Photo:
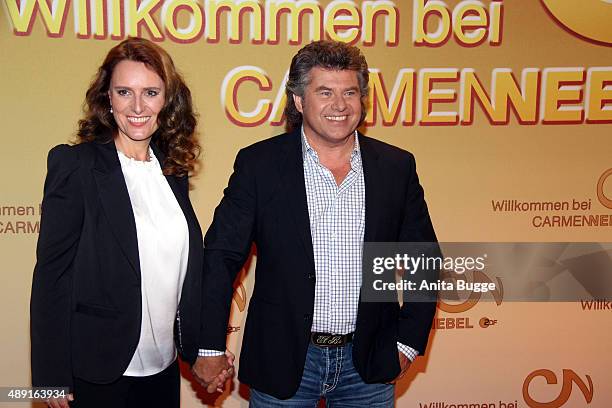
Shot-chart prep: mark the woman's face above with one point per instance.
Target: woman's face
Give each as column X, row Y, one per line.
column 137, row 95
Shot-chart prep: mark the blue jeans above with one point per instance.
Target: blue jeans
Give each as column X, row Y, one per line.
column 329, row 373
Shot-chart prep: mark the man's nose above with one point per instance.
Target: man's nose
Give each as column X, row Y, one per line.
column 339, row 103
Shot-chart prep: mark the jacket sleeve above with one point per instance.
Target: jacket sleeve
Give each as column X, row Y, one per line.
column 416, row 317
column 227, row 245
column 50, row 303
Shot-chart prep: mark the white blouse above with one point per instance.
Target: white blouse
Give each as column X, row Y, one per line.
column 163, row 249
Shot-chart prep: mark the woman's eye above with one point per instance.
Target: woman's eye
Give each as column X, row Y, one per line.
column 123, row 92
column 152, row 92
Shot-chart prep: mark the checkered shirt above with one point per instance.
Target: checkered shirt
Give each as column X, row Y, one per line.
column 337, row 224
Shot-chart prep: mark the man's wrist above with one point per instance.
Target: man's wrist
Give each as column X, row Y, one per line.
column 210, row 353
column 408, row 351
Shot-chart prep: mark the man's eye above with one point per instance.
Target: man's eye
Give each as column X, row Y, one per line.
column 325, row 93
column 350, row 93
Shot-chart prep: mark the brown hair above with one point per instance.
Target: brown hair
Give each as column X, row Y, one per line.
column 328, row 55
column 175, row 136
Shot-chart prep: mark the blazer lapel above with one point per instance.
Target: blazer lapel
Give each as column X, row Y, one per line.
column 192, row 282
column 373, row 179
column 184, row 203
column 181, row 193
column 292, row 174
column 374, row 209
column 116, row 202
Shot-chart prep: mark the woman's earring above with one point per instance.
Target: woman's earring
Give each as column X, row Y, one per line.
column 111, row 109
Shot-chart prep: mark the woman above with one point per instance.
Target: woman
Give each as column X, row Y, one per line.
column 117, row 283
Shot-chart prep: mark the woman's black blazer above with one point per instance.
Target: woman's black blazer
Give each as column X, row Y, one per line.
column 85, row 307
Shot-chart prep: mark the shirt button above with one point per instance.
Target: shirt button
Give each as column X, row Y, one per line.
column 311, row 275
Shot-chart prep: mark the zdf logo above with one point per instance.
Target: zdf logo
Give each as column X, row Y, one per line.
column 569, row 378
column 472, row 300
column 588, row 19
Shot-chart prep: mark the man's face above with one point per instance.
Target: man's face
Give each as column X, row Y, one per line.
column 331, row 106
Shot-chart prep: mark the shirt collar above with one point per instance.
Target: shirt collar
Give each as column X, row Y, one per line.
column 355, row 155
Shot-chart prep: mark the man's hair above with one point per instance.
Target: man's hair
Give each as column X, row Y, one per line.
column 332, row 55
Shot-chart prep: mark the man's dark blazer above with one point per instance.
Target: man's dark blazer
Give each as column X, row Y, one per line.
column 265, row 203
column 86, row 292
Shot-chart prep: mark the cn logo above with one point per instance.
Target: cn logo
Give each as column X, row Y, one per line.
column 240, row 294
column 588, row 19
column 569, row 378
column 601, row 195
column 240, row 297
column 474, row 297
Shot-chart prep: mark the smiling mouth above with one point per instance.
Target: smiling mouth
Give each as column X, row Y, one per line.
column 337, row 118
column 139, row 120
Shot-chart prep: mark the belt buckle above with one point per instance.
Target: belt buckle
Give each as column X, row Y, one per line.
column 328, row 340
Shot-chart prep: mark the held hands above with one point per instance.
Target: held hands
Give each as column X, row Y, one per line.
column 212, row 372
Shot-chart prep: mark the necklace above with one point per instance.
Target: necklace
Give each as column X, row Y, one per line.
column 148, row 156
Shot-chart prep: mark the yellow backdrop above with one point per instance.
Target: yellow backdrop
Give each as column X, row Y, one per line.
column 506, row 104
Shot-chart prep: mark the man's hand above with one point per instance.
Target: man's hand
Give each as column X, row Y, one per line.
column 60, row 402
column 404, row 365
column 212, row 372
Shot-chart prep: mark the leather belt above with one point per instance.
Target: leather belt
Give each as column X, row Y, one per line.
column 330, row 340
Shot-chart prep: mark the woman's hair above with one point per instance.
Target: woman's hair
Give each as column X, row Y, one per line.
column 327, row 55
column 175, row 136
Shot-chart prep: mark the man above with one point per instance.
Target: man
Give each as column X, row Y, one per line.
column 308, row 199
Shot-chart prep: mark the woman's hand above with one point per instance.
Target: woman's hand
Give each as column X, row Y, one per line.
column 60, row 402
